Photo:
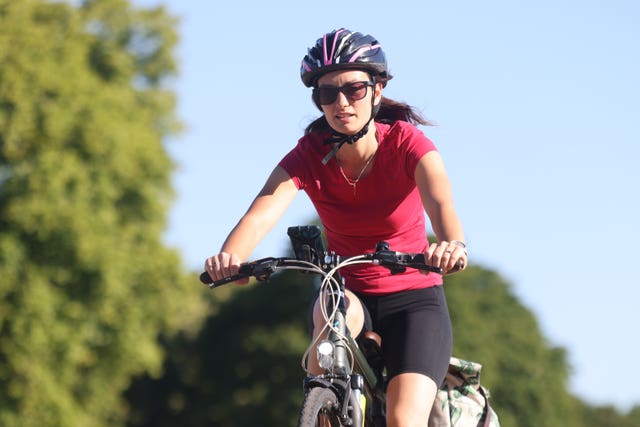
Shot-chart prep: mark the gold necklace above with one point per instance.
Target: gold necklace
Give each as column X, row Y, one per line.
column 354, row 182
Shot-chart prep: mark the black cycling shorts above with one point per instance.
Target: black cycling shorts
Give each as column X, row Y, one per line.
column 415, row 329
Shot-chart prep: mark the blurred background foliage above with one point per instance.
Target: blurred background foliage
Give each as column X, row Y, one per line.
column 87, row 285
column 101, row 324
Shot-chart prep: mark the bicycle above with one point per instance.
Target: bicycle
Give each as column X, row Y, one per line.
column 351, row 391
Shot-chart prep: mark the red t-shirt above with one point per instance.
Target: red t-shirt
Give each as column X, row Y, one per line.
column 386, row 205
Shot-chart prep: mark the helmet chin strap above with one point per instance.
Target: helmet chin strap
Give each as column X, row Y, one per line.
column 339, row 139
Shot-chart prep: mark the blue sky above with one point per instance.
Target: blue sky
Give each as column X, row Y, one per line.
column 537, row 106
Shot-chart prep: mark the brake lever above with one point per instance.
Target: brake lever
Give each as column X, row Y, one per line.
column 389, row 259
column 262, row 269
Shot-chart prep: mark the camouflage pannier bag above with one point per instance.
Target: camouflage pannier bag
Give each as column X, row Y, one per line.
column 461, row 401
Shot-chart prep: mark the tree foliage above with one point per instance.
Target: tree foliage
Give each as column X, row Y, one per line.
column 608, row 416
column 86, row 284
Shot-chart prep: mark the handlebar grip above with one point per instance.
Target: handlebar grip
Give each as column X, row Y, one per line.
column 207, row 280
column 419, row 262
column 260, row 269
column 426, row 268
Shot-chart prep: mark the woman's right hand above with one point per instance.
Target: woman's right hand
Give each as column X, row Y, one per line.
column 224, row 265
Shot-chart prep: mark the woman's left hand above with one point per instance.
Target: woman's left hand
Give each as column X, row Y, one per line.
column 451, row 256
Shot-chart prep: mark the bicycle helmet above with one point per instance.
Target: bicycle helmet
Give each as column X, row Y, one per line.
column 343, row 50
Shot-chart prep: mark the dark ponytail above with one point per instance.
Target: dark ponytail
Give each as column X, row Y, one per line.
column 391, row 111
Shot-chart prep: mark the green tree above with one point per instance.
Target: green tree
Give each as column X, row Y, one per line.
column 608, row 416
column 86, row 284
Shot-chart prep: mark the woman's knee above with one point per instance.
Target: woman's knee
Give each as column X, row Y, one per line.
column 355, row 315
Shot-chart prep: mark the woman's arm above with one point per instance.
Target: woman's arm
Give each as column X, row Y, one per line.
column 265, row 211
column 435, row 190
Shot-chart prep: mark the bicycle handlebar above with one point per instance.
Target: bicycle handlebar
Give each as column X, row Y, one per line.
column 261, row 269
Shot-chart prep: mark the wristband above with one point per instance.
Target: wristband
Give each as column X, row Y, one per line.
column 462, row 245
column 459, row 243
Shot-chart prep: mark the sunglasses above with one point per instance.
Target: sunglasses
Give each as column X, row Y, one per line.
column 355, row 91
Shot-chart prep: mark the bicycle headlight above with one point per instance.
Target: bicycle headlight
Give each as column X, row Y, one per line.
column 326, row 351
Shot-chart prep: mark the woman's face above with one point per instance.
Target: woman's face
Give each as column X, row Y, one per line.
column 351, row 108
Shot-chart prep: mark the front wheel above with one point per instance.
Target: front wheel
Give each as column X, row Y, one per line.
column 320, row 409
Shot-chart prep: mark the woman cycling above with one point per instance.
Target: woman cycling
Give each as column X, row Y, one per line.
column 371, row 175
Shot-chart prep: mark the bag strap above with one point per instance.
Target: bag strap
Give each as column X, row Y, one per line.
column 487, row 418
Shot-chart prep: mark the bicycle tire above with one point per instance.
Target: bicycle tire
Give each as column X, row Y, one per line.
column 320, row 402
